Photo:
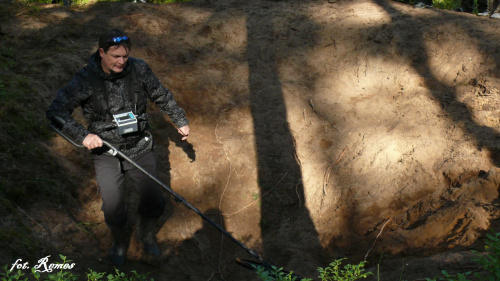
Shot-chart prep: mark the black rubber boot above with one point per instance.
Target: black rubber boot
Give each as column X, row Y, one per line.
column 146, row 234
column 118, row 252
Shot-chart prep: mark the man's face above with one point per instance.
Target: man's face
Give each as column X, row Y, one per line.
column 115, row 59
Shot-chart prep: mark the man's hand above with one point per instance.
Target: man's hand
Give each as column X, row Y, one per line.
column 92, row 141
column 184, row 131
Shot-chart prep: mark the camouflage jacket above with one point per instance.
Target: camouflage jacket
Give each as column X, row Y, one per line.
column 79, row 93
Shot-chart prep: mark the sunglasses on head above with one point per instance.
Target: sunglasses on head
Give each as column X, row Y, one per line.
column 118, row 39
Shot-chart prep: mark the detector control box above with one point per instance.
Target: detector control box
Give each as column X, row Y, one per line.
column 126, row 122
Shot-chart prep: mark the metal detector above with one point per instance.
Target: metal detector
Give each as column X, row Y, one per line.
column 252, row 265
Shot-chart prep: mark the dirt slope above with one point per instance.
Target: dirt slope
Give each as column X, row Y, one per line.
column 360, row 129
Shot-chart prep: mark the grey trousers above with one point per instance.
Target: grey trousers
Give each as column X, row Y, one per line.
column 110, row 175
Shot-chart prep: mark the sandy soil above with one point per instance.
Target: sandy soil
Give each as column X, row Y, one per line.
column 359, row 129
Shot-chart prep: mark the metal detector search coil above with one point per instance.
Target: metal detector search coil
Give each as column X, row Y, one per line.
column 126, row 122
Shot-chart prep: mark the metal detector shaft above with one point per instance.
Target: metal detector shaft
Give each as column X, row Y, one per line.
column 177, row 196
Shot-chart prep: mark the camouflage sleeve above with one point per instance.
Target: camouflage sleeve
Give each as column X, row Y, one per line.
column 160, row 95
column 67, row 99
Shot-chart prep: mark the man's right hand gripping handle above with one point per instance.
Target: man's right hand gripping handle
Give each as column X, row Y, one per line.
column 92, row 141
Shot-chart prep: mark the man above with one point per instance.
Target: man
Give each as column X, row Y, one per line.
column 492, row 7
column 488, row 7
column 111, row 88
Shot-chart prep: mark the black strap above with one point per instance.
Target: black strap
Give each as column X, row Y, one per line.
column 130, row 144
column 100, row 98
column 133, row 142
column 132, row 86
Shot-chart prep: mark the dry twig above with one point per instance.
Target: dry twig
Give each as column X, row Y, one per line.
column 262, row 196
column 380, row 232
column 34, row 221
column 222, row 195
column 328, row 170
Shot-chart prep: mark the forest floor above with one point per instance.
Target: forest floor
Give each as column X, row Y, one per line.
column 364, row 129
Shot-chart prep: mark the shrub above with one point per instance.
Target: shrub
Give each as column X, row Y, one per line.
column 331, row 273
column 491, row 261
column 447, row 4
